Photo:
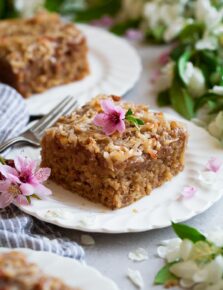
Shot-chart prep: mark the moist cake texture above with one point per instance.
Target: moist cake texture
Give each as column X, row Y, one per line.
column 113, row 170
column 17, row 273
column 41, row 52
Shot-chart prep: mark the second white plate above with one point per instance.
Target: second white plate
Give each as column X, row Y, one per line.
column 115, row 68
column 73, row 273
column 68, row 210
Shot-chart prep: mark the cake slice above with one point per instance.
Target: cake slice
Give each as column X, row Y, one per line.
column 41, row 52
column 114, row 169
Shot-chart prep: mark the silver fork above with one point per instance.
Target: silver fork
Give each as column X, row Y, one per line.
column 33, row 135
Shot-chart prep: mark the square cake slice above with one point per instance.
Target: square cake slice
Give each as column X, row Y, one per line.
column 118, row 169
column 41, row 52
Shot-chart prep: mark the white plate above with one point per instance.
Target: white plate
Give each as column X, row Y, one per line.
column 74, row 274
column 115, row 68
column 68, row 210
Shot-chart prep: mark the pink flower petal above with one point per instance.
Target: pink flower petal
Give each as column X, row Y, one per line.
column 42, row 191
column 214, row 165
column 9, row 173
column 164, row 58
column 4, row 185
column 20, row 163
column 155, row 76
column 27, row 189
column 105, row 21
column 108, row 106
column 21, row 200
column 134, row 34
column 121, row 112
column 5, row 199
column 100, row 119
column 188, row 192
column 109, row 129
column 43, row 174
column 120, row 126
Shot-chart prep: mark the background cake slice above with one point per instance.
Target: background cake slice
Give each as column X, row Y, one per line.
column 41, row 52
column 119, row 169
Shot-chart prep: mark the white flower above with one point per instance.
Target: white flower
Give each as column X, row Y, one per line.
column 209, row 43
column 195, row 80
column 165, row 79
column 138, row 255
column 207, row 14
column 174, row 29
column 211, row 272
column 185, row 249
column 216, row 127
column 184, row 270
column 218, row 90
column 28, row 8
column 169, row 15
column 171, row 250
column 136, row 278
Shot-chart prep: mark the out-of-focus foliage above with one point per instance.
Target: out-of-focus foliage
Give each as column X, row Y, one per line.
column 84, row 10
column 7, row 9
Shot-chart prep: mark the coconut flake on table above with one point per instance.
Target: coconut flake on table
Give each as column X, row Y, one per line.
column 87, row 240
column 138, row 255
column 136, row 278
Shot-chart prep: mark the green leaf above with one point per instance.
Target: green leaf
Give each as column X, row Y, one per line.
column 181, row 101
column 158, row 32
column 134, row 121
column 203, row 100
column 53, row 5
column 129, row 113
column 163, row 99
column 164, row 276
column 121, row 27
column 139, row 122
column 191, row 32
column 182, row 63
column 28, row 199
column 2, row 160
column 189, row 233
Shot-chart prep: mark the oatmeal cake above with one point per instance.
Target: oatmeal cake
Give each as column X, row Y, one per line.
column 117, row 169
column 16, row 273
column 41, row 52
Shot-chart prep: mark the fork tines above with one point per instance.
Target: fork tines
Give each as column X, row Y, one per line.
column 63, row 108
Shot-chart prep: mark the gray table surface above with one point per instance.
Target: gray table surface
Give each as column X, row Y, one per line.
column 110, row 253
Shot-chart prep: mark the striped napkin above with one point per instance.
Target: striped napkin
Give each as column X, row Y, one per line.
column 18, row 229
column 13, row 113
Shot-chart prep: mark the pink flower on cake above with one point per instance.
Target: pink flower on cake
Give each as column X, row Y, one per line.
column 214, row 165
column 22, row 181
column 112, row 119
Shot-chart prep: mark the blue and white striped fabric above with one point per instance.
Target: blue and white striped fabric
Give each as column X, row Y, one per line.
column 17, row 229
column 13, row 113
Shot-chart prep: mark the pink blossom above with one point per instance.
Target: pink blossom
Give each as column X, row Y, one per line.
column 21, row 181
column 112, row 119
column 155, row 76
column 164, row 58
column 213, row 165
column 134, row 34
column 105, row 22
column 187, row 193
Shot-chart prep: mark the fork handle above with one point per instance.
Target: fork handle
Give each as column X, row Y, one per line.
column 5, row 145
